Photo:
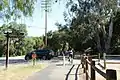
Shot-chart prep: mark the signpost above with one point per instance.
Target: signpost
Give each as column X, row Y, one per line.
column 8, row 36
column 7, row 51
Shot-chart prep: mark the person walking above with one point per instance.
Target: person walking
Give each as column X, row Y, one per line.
column 71, row 55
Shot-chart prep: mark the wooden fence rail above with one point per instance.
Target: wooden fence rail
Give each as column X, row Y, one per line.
column 87, row 60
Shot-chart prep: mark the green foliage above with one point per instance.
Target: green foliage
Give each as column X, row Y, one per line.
column 19, row 45
column 2, row 46
column 58, row 40
column 16, row 30
column 32, row 43
column 88, row 23
column 38, row 42
column 13, row 9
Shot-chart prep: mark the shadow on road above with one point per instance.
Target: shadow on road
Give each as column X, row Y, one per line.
column 69, row 72
column 55, row 61
column 76, row 73
column 13, row 61
column 101, row 65
column 62, row 64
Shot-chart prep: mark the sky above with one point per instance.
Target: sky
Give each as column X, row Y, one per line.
column 36, row 23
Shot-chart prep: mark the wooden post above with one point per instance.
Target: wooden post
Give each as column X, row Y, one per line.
column 111, row 74
column 92, row 71
column 82, row 62
column 98, row 57
column 7, row 51
column 90, row 58
column 84, row 65
column 86, row 68
column 8, row 36
column 104, row 57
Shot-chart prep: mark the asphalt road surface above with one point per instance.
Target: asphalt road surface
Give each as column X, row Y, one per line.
column 12, row 60
column 21, row 60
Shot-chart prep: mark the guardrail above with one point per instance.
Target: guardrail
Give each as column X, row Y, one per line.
column 110, row 74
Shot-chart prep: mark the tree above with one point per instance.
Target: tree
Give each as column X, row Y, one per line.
column 32, row 43
column 13, row 9
column 88, row 18
column 38, row 42
column 58, row 40
column 15, row 41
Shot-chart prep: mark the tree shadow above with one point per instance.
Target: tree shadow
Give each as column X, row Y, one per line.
column 62, row 64
column 13, row 61
column 76, row 73
column 101, row 65
column 69, row 72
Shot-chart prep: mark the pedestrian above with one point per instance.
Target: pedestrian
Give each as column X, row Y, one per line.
column 71, row 55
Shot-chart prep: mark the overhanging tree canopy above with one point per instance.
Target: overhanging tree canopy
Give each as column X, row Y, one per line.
column 12, row 9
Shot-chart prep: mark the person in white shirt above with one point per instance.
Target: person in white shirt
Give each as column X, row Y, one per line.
column 71, row 55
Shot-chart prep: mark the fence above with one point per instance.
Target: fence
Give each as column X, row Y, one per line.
column 104, row 59
column 87, row 60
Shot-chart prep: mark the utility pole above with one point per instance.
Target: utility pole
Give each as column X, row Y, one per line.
column 46, row 23
column 45, row 5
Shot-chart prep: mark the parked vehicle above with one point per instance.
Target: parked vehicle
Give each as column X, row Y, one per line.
column 41, row 54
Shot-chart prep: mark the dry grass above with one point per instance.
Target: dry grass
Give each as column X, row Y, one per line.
column 18, row 72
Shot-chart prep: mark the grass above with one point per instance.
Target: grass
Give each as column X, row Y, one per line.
column 18, row 72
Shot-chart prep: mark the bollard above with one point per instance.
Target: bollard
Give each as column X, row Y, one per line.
column 92, row 71
column 63, row 60
column 98, row 57
column 104, row 57
column 111, row 74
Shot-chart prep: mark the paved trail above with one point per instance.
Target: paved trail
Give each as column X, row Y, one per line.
column 58, row 72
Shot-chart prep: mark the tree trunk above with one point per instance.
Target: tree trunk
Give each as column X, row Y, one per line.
column 98, row 43
column 108, row 42
column 98, row 40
